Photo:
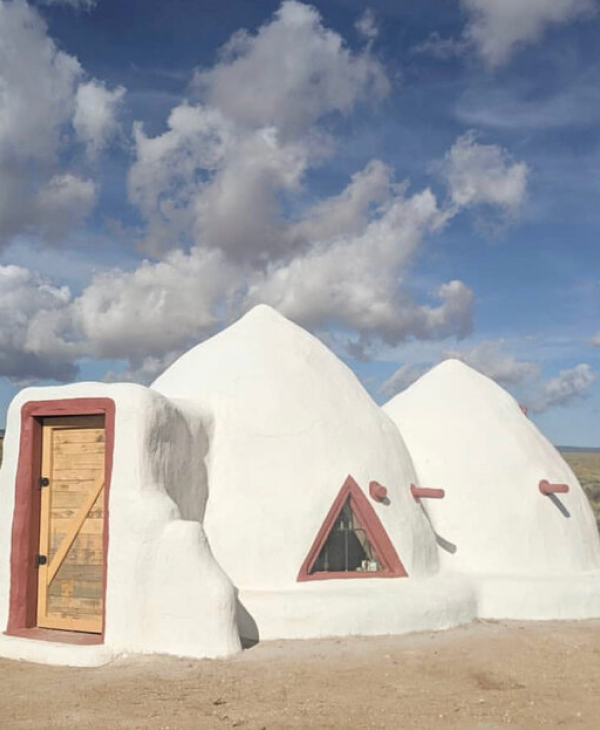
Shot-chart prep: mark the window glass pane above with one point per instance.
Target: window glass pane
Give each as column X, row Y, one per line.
column 347, row 548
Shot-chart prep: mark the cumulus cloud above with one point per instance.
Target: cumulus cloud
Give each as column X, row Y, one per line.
column 570, row 385
column 153, row 310
column 497, row 27
column 234, row 162
column 305, row 71
column 596, row 339
column 220, row 174
column 223, row 197
column 27, row 304
column 483, row 174
column 354, row 281
column 95, row 118
column 366, row 25
column 42, row 94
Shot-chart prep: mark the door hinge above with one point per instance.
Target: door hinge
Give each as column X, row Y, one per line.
column 43, row 482
column 41, row 560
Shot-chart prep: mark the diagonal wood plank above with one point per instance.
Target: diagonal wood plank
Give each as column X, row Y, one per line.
column 76, row 525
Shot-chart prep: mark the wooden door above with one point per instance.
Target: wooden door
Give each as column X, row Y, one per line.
column 71, row 555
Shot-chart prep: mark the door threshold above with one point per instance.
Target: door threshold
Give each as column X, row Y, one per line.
column 59, row 636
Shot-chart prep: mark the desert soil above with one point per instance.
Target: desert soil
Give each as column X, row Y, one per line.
column 485, row 675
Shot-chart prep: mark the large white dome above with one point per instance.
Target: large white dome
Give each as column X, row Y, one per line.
column 468, row 436
column 288, row 422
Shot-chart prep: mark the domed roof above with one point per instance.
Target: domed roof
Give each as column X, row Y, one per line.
column 288, row 423
column 469, row 436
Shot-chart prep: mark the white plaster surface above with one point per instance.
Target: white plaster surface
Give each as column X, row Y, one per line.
column 238, row 451
column 535, row 597
column 287, row 423
column 368, row 607
column 469, row 437
column 165, row 592
column 55, row 653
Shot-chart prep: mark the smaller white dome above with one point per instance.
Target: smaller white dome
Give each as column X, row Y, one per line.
column 469, row 436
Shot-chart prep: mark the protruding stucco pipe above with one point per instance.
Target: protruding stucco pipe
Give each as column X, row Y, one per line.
column 420, row 492
column 377, row 491
column 547, row 488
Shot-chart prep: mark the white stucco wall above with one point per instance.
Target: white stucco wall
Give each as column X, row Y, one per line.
column 165, row 592
column 287, row 423
column 468, row 436
column 238, row 451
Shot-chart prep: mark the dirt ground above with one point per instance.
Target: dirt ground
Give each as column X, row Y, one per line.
column 486, row 675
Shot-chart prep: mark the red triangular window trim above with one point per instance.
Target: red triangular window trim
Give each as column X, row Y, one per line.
column 378, row 537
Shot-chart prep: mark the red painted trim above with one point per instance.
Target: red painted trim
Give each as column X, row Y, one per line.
column 420, row 492
column 547, row 488
column 377, row 491
column 378, row 537
column 59, row 636
column 26, row 516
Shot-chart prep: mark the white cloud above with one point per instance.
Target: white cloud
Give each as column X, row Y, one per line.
column 569, row 386
column 498, row 27
column 222, row 193
column 27, row 303
column 305, row 71
column 219, row 175
column 489, row 358
column 41, row 95
column 355, row 279
column 95, row 119
column 155, row 309
column 596, row 339
column 366, row 25
column 63, row 203
column 479, row 174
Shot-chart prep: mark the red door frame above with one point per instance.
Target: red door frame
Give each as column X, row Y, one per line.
column 26, row 516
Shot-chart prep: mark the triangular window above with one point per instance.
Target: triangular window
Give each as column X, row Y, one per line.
column 352, row 542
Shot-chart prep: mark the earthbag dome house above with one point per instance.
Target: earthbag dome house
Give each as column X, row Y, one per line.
column 309, row 511
column 255, row 489
column 514, row 517
column 258, row 447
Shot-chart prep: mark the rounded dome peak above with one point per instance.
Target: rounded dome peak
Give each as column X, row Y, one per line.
column 450, row 379
column 262, row 348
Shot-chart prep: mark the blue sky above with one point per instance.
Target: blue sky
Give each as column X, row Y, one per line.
column 410, row 181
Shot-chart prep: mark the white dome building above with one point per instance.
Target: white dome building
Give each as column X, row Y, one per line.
column 536, row 555
column 288, row 424
column 256, row 491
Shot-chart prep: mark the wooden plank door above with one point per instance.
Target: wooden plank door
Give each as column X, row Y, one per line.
column 71, row 555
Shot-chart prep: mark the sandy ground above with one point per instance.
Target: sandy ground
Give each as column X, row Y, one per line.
column 486, row 675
